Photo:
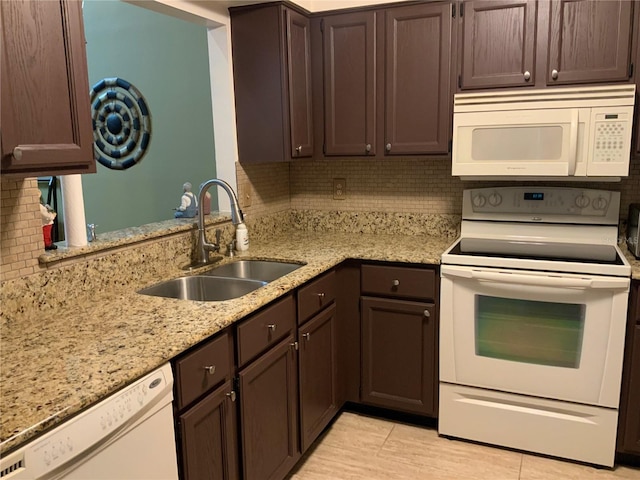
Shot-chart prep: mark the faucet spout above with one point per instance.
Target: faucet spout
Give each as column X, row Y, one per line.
column 203, row 247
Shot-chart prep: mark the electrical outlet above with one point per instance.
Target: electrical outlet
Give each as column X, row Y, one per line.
column 246, row 197
column 339, row 188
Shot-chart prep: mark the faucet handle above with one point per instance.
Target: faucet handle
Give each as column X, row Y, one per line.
column 231, row 248
column 218, row 235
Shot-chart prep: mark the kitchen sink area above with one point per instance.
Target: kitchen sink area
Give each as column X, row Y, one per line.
column 224, row 282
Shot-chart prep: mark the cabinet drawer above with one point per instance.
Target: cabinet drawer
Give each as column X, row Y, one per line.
column 316, row 295
column 265, row 329
column 203, row 369
column 398, row 281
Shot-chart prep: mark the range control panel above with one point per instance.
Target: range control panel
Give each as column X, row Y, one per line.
column 542, row 204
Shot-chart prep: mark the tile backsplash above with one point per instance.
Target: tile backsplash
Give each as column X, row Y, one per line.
column 21, row 236
column 405, row 185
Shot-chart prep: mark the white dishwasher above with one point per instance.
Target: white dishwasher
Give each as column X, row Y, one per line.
column 128, row 436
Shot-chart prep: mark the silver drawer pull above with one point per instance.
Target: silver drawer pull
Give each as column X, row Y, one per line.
column 395, row 283
column 320, row 295
column 232, row 395
column 211, row 369
column 272, row 327
column 307, row 336
column 427, row 313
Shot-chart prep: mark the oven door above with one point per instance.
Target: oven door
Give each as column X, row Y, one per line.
column 550, row 335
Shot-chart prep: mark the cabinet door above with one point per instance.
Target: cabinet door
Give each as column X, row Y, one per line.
column 318, row 374
column 589, row 41
column 399, row 354
column 497, row 43
column 208, row 437
column 418, row 78
column 631, row 441
column 45, row 114
column 349, row 47
column 299, row 78
column 269, row 413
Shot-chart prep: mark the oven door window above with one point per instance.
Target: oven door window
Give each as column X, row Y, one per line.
column 541, row 333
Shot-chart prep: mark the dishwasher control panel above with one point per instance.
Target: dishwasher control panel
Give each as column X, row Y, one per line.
column 101, row 423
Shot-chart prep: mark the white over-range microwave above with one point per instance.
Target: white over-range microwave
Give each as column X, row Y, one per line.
column 553, row 133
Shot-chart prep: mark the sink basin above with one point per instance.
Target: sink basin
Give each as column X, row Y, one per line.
column 263, row 270
column 203, row 288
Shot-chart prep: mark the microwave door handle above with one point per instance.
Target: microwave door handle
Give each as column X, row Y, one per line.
column 573, row 143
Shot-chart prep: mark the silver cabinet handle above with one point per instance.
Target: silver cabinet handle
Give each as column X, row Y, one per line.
column 395, row 283
column 299, row 149
column 232, row 395
column 388, row 147
column 272, row 327
column 554, row 74
column 211, row 369
column 368, row 147
column 320, row 295
column 527, row 76
column 307, row 336
column 294, row 345
column 427, row 313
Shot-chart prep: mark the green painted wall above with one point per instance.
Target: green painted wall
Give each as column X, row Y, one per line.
column 167, row 60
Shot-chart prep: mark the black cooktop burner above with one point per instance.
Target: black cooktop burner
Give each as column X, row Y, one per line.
column 550, row 251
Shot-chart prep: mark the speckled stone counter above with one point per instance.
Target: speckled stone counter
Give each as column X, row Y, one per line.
column 635, row 263
column 66, row 358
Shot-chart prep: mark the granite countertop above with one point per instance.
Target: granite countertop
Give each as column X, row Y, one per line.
column 65, row 360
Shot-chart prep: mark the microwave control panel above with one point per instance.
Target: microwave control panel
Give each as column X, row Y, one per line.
column 611, row 137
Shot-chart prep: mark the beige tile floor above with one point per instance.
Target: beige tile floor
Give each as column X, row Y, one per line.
column 359, row 447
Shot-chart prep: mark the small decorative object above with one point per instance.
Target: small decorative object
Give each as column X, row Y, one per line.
column 48, row 215
column 91, row 232
column 121, row 123
column 188, row 204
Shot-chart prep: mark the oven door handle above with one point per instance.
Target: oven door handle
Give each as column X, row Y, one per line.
column 538, row 280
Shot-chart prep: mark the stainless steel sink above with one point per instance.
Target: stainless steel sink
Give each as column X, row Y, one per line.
column 203, row 288
column 264, row 270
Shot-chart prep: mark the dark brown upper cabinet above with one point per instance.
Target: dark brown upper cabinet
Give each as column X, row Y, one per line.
column 497, row 43
column 589, row 41
column 512, row 43
column 417, row 79
column 272, row 79
column 386, row 81
column 350, row 83
column 45, row 114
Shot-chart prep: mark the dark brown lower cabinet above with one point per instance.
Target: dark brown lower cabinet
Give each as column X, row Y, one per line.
column 631, row 439
column 318, row 374
column 398, row 354
column 629, row 423
column 269, row 413
column 208, row 436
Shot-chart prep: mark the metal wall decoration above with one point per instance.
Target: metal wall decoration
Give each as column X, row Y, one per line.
column 121, row 123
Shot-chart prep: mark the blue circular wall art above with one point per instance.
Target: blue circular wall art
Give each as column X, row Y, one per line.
column 121, row 123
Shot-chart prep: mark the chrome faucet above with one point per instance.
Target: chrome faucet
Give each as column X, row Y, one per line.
column 203, row 247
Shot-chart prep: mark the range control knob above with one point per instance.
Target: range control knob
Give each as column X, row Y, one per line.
column 495, row 199
column 479, row 201
column 582, row 201
column 600, row 203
